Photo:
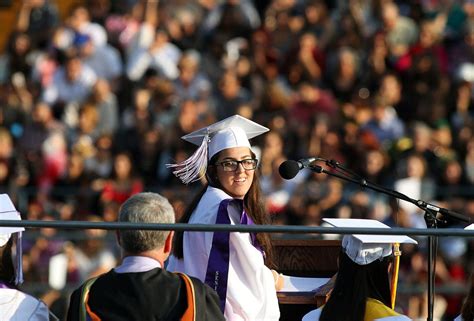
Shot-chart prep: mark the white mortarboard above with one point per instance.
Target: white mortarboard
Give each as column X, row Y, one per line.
column 234, row 131
column 9, row 212
column 365, row 249
column 469, row 227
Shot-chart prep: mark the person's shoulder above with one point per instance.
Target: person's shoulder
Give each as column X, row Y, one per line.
column 394, row 318
column 200, row 288
column 214, row 195
column 458, row 318
column 206, row 300
column 378, row 311
column 18, row 295
column 313, row 315
column 23, row 305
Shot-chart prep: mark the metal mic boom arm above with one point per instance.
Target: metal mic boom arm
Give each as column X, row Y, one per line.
column 425, row 206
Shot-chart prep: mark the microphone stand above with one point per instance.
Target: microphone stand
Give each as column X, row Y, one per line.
column 430, row 217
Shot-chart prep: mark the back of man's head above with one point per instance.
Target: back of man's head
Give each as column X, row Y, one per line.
column 145, row 208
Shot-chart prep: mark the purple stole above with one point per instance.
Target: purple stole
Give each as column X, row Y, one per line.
column 4, row 285
column 218, row 264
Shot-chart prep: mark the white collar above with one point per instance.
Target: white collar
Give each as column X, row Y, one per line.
column 132, row 264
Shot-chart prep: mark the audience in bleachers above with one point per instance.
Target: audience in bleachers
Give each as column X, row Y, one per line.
column 93, row 105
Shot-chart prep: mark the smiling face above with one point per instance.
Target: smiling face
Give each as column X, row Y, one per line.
column 235, row 183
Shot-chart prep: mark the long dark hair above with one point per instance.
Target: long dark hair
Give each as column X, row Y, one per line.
column 7, row 271
column 354, row 284
column 253, row 205
column 467, row 311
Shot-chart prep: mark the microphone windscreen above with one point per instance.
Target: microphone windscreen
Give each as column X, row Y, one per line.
column 288, row 169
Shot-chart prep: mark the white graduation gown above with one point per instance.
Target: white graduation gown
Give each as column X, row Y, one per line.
column 251, row 291
column 18, row 306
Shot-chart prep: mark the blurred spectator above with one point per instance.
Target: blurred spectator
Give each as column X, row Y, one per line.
column 310, row 102
column 229, row 96
column 87, row 125
column 106, row 101
column 391, row 90
column 417, row 184
column 384, row 123
column 348, row 32
column 463, row 109
column 321, row 190
column 377, row 63
column 277, row 191
column 73, row 189
column 10, row 176
column 41, row 126
column 229, row 19
column 91, row 257
column 37, row 18
column 46, row 245
column 191, row 83
column 343, row 78
column 308, row 61
column 160, row 55
column 123, row 182
column 468, row 163
column 100, row 163
column 17, row 58
column 72, row 83
column 318, row 22
column 105, row 60
column 184, row 27
column 451, row 182
column 80, row 22
column 421, row 143
column 400, row 31
column 54, row 155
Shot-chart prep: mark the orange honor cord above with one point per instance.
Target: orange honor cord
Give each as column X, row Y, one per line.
column 397, row 253
column 190, row 313
column 91, row 315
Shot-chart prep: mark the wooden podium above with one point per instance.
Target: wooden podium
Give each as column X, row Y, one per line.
column 306, row 258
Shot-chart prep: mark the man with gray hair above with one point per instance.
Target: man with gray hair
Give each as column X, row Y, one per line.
column 140, row 288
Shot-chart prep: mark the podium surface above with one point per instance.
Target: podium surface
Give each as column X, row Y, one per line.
column 305, row 258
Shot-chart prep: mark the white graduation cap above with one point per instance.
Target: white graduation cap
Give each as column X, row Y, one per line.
column 234, row 131
column 365, row 249
column 9, row 212
column 469, row 227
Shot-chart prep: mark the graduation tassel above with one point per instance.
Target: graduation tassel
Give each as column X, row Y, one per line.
column 397, row 253
column 193, row 168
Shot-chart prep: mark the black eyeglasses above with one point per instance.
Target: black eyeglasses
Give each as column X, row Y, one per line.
column 232, row 165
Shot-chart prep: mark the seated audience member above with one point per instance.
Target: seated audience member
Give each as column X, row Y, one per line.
column 362, row 289
column 140, row 289
column 14, row 304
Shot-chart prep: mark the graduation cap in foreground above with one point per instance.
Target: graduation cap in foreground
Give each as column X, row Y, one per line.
column 234, row 131
column 365, row 249
column 8, row 212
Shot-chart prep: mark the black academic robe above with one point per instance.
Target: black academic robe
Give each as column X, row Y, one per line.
column 155, row 295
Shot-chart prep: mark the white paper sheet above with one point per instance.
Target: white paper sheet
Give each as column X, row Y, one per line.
column 302, row 284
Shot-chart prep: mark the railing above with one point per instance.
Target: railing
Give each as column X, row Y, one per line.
column 76, row 228
column 297, row 229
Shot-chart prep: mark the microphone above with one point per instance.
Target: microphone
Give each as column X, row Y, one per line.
column 288, row 169
column 445, row 212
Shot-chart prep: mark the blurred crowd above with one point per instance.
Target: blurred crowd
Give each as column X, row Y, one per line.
column 93, row 105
